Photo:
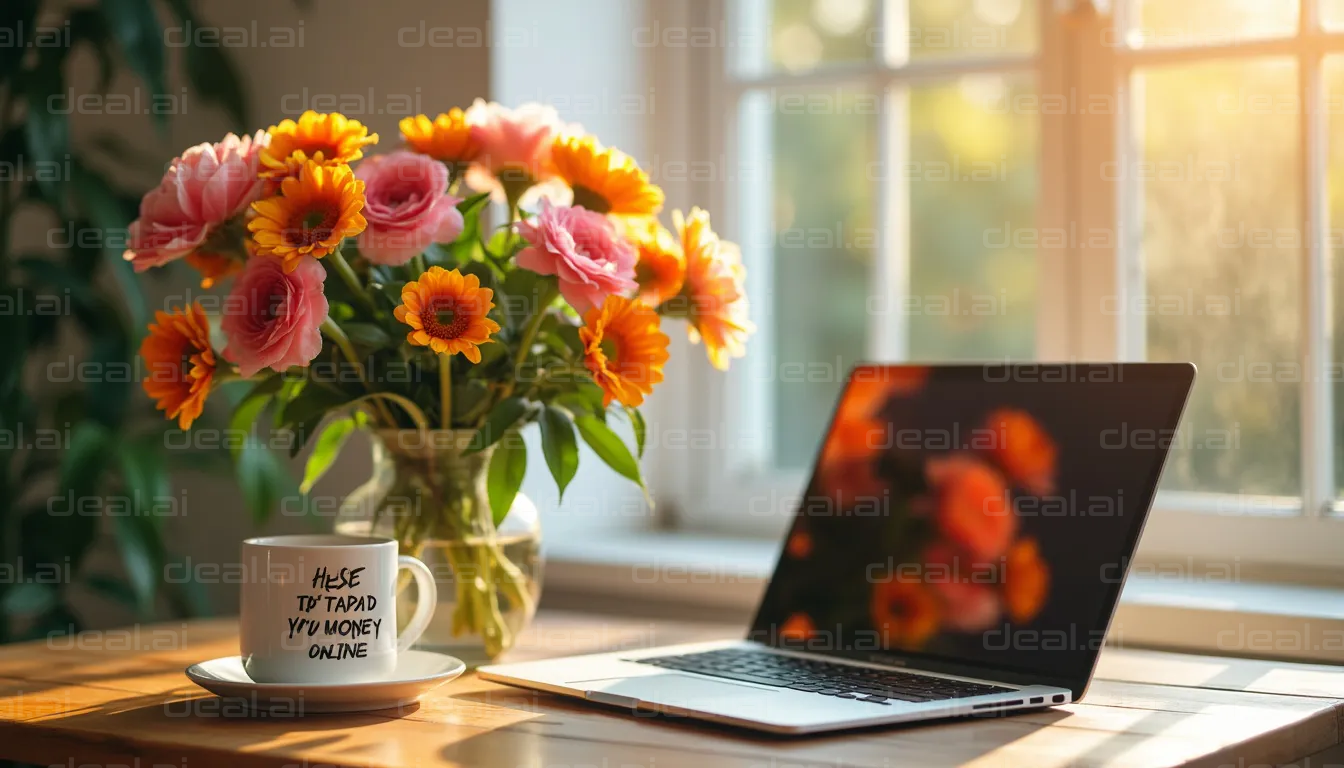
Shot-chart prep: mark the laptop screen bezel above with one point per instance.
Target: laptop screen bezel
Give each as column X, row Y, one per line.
column 1180, row 376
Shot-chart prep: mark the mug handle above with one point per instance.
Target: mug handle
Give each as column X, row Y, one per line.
column 427, row 596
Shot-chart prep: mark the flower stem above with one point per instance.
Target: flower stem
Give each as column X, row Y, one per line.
column 351, row 280
column 334, row 332
column 533, row 325
column 446, row 390
column 409, row 407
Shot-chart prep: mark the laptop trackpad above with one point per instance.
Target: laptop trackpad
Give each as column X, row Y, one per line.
column 669, row 688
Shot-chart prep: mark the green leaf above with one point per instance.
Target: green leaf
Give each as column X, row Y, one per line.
column 48, row 131
column 265, row 482
column 507, row 467
column 27, row 598
column 304, row 413
column 103, row 207
column 327, row 448
column 560, row 446
column 112, row 588
column 608, row 447
column 87, row 25
column 501, row 244
column 136, row 28
column 13, row 349
column 138, row 533
column 367, row 336
column 641, row 429
column 189, row 597
column 522, row 290
column 502, row 417
column 13, row 144
column 483, row 272
column 569, row 335
column 141, row 555
column 16, row 15
column 474, row 204
column 110, row 352
column 145, row 478
column 290, row 387
column 248, row 409
column 86, row 458
column 469, row 396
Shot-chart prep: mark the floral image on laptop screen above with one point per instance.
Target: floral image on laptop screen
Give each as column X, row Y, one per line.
column 943, row 506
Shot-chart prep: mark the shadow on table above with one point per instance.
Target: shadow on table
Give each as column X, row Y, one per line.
column 564, row 730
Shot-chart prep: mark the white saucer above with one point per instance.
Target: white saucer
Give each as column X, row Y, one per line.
column 417, row 673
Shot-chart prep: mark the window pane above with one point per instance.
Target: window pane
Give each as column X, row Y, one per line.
column 1334, row 169
column 1221, row 246
column 825, row 240
column 964, row 28
column 806, row 34
column 1332, row 14
column 972, row 178
column 1210, row 22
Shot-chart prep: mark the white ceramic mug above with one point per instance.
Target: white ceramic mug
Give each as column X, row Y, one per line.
column 322, row 608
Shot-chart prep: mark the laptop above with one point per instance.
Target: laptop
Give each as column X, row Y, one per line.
column 959, row 550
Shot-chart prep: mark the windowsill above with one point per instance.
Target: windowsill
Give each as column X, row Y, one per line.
column 702, row 574
column 667, row 569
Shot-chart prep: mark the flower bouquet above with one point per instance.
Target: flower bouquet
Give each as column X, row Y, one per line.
column 376, row 294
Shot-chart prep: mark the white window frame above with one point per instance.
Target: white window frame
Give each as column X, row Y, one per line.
column 722, row 484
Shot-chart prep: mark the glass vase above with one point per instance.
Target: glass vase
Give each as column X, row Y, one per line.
column 430, row 494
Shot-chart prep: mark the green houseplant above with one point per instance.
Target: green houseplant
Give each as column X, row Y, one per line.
column 78, row 458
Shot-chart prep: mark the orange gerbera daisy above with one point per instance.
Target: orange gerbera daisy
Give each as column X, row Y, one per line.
column 447, row 138
column 1023, row 449
column 871, row 386
column 906, row 614
column 604, row 179
column 315, row 211
column 660, row 270
column 1026, row 580
column 713, row 297
column 623, row 349
column 447, row 312
column 213, row 267
column 799, row 544
column 973, row 509
column 180, row 363
column 798, row 626
column 323, row 138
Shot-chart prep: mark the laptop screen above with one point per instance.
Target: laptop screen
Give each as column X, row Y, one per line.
column 982, row 516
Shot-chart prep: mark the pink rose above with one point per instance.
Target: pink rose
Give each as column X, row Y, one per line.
column 583, row 249
column 205, row 187
column 514, row 139
column 407, row 206
column 272, row 319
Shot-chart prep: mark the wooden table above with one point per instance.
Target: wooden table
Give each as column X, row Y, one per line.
column 112, row 697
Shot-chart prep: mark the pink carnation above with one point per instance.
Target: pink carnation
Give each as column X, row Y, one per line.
column 514, row 139
column 205, row 187
column 583, row 249
column 271, row 318
column 407, row 206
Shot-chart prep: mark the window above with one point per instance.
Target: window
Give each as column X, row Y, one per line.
column 1032, row 179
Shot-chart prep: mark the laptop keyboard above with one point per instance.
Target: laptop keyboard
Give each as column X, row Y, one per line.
column 879, row 686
